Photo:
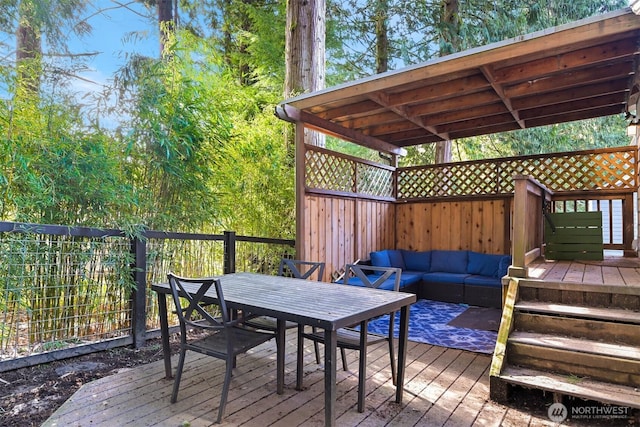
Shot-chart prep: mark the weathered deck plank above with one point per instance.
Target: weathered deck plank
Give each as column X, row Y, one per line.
column 442, row 387
column 610, row 271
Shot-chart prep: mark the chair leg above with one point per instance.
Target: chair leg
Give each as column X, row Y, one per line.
column 391, row 350
column 343, row 353
column 176, row 381
column 225, row 388
column 316, row 346
column 393, row 362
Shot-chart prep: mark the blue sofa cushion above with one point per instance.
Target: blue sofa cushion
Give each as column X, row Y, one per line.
column 449, row 261
column 417, row 260
column 396, row 259
column 387, row 258
column 409, row 278
column 444, row 277
column 484, row 264
column 503, row 268
column 380, row 259
column 477, row 280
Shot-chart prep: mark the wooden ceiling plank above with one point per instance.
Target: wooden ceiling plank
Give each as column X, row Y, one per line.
column 575, row 105
column 391, row 128
column 465, row 114
column 570, row 117
column 572, row 94
column 384, row 100
column 504, row 127
column 453, row 104
column 470, row 84
column 497, row 119
column 568, row 79
column 370, row 120
column 559, row 63
column 497, row 87
column 348, row 110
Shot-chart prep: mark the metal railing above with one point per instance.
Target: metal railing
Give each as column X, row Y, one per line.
column 67, row 291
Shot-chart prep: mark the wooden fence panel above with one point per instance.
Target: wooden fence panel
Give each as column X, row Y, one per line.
column 477, row 225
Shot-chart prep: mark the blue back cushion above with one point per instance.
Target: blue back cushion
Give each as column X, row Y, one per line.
column 484, row 264
column 395, row 256
column 380, row 259
column 387, row 258
column 417, row 261
column 505, row 262
column 449, row 261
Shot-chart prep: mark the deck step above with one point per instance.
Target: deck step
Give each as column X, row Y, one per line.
column 577, row 345
column 617, row 364
column 568, row 385
column 592, row 329
column 611, row 314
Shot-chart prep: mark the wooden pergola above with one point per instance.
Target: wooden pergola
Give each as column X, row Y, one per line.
column 577, row 71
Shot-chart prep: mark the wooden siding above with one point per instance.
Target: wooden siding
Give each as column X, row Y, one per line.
column 477, row 225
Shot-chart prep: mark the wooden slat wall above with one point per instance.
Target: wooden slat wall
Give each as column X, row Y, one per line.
column 340, row 230
column 478, row 225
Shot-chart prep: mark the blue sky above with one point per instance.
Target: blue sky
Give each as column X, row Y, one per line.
column 117, row 31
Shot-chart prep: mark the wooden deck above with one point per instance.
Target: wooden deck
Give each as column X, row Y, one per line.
column 610, row 271
column 443, row 387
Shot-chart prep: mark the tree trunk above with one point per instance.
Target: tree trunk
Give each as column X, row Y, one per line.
column 28, row 54
column 305, row 53
column 382, row 36
column 165, row 21
column 451, row 34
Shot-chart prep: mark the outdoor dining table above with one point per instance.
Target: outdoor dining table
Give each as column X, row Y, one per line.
column 324, row 305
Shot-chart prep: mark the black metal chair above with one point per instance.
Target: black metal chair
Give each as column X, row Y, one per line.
column 354, row 339
column 299, row 270
column 226, row 338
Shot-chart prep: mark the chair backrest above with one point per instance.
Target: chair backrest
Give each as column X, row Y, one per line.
column 193, row 290
column 373, row 277
column 301, row 269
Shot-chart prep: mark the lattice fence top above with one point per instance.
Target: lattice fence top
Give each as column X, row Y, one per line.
column 608, row 169
column 344, row 174
column 605, row 169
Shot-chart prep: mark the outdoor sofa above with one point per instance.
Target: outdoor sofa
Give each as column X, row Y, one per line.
column 451, row 276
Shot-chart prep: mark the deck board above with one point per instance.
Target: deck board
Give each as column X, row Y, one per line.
column 610, row 271
column 442, row 386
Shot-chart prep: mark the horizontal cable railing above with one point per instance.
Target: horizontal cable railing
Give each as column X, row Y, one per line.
column 67, row 291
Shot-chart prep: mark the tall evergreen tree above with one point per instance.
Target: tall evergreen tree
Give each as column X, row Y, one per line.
column 305, row 52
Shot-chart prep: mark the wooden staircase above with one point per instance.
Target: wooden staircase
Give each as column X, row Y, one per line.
column 570, row 339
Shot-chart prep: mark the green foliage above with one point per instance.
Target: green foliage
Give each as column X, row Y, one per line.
column 584, row 135
column 207, row 152
column 55, row 170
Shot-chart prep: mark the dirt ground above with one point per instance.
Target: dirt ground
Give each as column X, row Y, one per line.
column 31, row 395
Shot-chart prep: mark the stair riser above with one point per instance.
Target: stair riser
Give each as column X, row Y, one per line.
column 580, row 328
column 598, row 367
column 578, row 297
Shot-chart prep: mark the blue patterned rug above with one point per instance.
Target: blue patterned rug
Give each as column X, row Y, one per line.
column 428, row 324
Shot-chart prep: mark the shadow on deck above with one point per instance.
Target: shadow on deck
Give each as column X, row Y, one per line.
column 443, row 387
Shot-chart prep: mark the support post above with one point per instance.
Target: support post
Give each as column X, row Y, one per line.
column 229, row 252
column 139, row 297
